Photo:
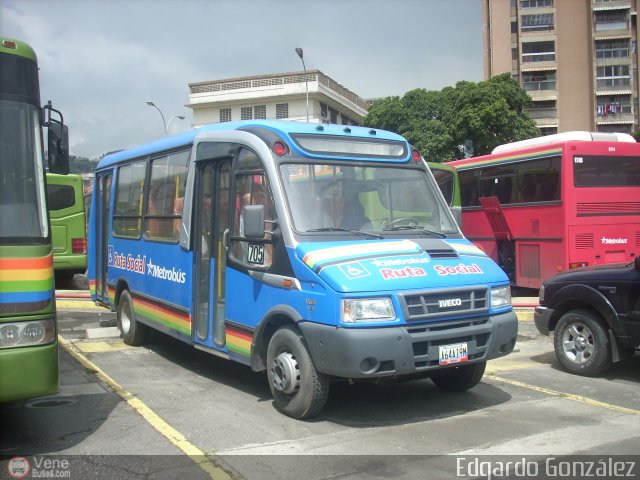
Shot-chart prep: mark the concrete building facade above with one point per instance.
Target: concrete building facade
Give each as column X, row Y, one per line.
column 276, row 96
column 577, row 59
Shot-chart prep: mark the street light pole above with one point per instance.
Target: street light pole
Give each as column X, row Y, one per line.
column 164, row 123
column 306, row 81
column 181, row 117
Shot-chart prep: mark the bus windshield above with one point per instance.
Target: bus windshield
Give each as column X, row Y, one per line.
column 334, row 197
column 22, row 198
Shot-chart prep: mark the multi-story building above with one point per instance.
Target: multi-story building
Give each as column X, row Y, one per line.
column 577, row 59
column 313, row 97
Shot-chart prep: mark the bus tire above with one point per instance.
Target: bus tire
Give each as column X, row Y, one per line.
column 460, row 378
column 581, row 343
column 132, row 331
column 299, row 390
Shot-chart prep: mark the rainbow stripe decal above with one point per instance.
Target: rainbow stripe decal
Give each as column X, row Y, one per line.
column 514, row 157
column 239, row 343
column 466, row 249
column 92, row 288
column 164, row 315
column 26, row 284
column 318, row 259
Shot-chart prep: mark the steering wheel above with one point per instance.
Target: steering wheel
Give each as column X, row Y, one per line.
column 410, row 222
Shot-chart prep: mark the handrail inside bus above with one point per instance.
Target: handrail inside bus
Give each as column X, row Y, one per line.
column 565, row 137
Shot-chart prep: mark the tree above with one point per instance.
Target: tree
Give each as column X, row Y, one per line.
column 439, row 123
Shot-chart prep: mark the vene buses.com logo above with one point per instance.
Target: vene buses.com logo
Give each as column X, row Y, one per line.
column 19, row 467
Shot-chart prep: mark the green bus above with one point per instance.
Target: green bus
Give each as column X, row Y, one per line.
column 28, row 331
column 447, row 179
column 68, row 224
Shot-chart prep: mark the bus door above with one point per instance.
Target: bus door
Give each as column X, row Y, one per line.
column 102, row 215
column 212, row 220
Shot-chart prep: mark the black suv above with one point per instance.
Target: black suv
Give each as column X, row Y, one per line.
column 595, row 313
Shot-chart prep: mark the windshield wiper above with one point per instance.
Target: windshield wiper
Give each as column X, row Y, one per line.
column 340, row 229
column 416, row 228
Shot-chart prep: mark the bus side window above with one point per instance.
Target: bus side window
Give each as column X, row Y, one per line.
column 166, row 197
column 252, row 188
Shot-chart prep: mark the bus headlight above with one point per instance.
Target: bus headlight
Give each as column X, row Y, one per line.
column 367, row 310
column 25, row 334
column 501, row 297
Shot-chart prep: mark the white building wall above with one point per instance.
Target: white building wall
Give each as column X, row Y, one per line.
column 208, row 98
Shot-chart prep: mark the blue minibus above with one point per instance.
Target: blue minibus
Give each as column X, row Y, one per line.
column 312, row 252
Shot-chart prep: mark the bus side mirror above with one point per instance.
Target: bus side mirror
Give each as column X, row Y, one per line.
column 58, row 148
column 57, row 141
column 253, row 221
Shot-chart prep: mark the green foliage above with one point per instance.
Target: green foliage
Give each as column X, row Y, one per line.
column 82, row 164
column 438, row 123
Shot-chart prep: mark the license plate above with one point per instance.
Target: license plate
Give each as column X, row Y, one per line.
column 455, row 353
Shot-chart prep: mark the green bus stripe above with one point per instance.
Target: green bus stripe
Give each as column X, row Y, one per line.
column 26, row 286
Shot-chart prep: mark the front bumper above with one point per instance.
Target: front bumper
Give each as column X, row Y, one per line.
column 406, row 349
column 542, row 319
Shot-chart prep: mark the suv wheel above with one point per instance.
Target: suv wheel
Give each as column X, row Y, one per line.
column 581, row 343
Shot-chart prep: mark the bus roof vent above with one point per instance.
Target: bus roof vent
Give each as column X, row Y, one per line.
column 442, row 253
column 565, row 137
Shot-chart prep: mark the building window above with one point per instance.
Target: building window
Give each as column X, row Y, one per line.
column 612, row 48
column 536, row 3
column 537, row 23
column 539, row 80
column 246, row 113
column 538, row 52
column 514, row 27
column 282, row 110
column 615, row 127
column 225, row 115
column 260, row 111
column 613, row 76
column 324, row 113
column 333, row 116
column 611, row 20
column 613, row 105
column 542, row 109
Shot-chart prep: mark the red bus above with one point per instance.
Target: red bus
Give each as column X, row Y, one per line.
column 548, row 204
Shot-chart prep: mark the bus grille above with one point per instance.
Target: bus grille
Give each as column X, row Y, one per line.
column 585, row 209
column 584, row 241
column 435, row 304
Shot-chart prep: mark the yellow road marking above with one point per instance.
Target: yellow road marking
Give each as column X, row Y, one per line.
column 101, row 346
column 175, row 437
column 568, row 396
column 78, row 305
column 504, row 365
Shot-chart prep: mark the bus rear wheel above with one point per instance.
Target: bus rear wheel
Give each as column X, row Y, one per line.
column 133, row 332
column 460, row 379
column 299, row 390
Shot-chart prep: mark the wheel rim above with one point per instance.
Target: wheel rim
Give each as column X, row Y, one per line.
column 125, row 319
column 285, row 373
column 578, row 343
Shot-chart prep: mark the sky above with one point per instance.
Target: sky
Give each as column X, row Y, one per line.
column 101, row 60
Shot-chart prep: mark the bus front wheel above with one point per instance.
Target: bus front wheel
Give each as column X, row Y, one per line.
column 299, row 390
column 132, row 330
